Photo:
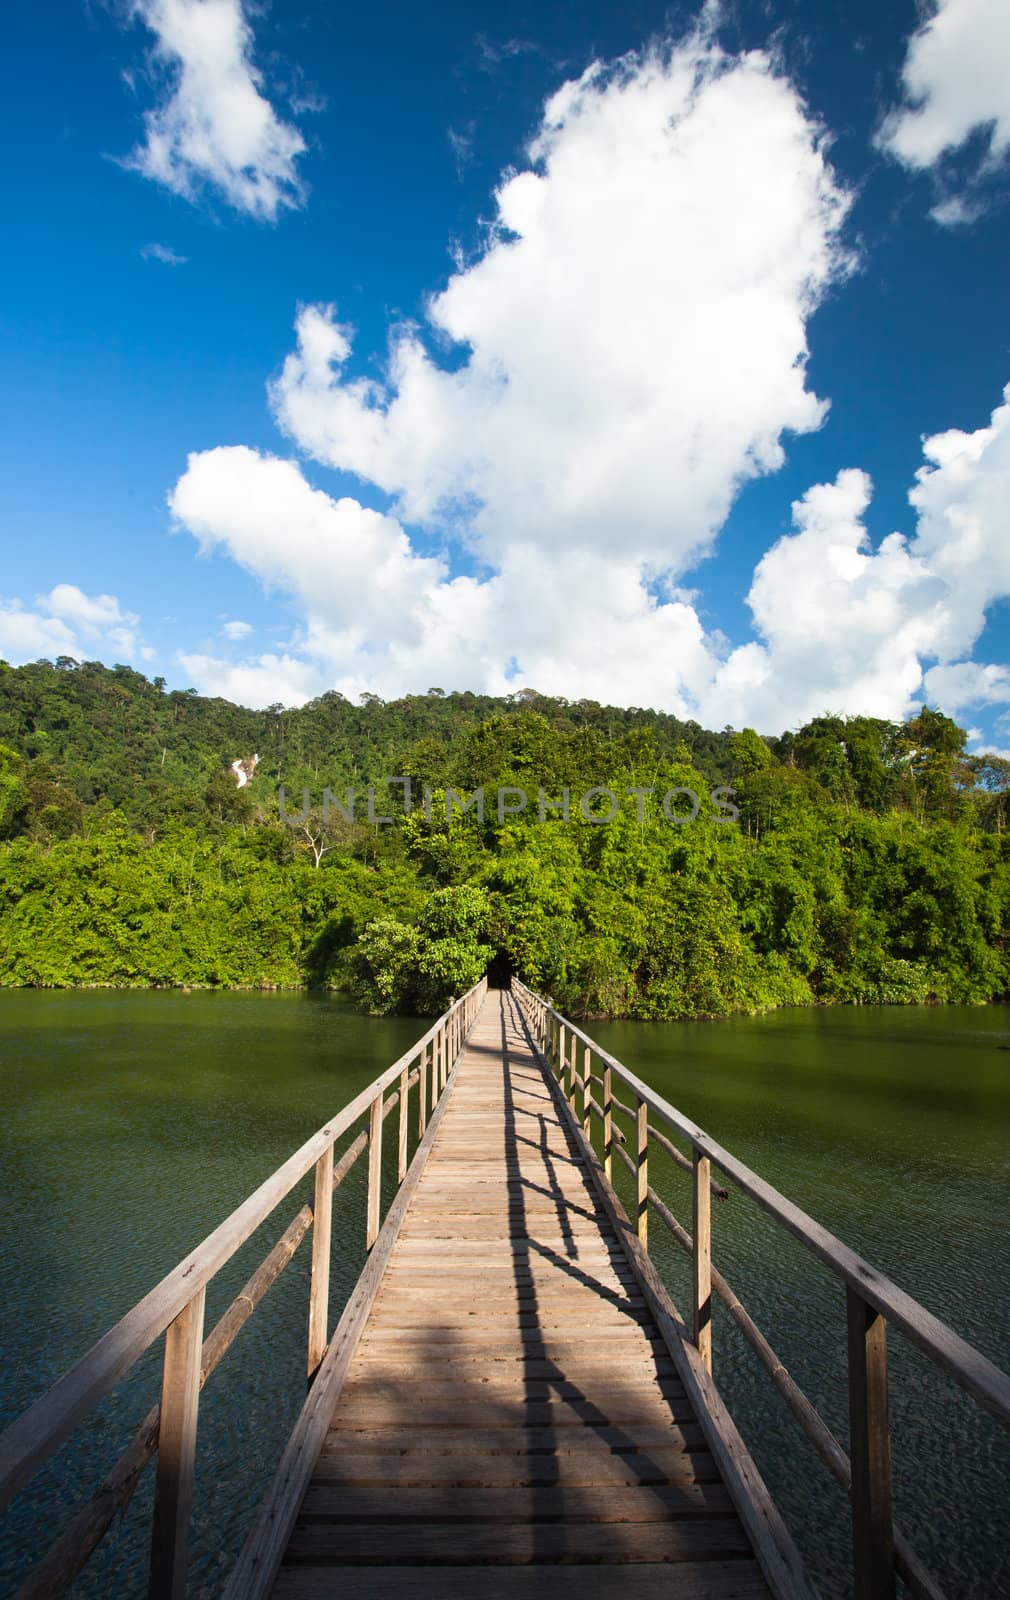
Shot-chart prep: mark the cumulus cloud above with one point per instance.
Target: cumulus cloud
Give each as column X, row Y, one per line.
column 633, row 331
column 962, row 497
column 215, row 129
column 849, row 628
column 840, row 624
column 968, row 683
column 237, row 630
column 587, row 398
column 67, row 622
column 956, row 81
column 272, row 680
column 28, row 636
column 842, row 627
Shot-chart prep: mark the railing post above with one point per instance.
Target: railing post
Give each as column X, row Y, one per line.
column 428, row 1053
column 562, row 1056
column 701, row 1258
column 180, row 1398
column 608, row 1124
column 870, row 1451
column 319, row 1282
column 642, row 1167
column 374, row 1173
column 573, row 1051
column 401, row 1148
column 587, row 1059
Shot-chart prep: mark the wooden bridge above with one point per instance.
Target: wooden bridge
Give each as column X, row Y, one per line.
column 509, row 1404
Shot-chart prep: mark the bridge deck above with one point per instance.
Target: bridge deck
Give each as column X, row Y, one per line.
column 510, row 1405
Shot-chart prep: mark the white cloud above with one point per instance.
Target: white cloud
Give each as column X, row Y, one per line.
column 968, row 683
column 848, row 628
column 634, row 329
column 67, row 623
column 237, row 630
column 962, row 497
column 215, row 129
column 633, row 340
column 269, row 681
column 162, row 253
column 956, row 80
column 840, row 625
column 28, row 636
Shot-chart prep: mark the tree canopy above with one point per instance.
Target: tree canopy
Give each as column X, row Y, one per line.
column 868, row 860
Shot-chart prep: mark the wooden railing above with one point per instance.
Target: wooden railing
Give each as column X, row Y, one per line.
column 879, row 1550
column 175, row 1308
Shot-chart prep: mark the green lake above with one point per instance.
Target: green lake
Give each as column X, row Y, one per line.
column 134, row 1122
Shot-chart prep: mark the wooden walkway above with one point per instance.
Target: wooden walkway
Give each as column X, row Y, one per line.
column 510, row 1405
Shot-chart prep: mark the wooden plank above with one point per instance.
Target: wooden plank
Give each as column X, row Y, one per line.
column 501, row 1384
column 404, row 1314
column 870, row 1452
column 403, row 1501
column 537, row 1377
column 173, row 1495
column 461, row 1544
column 471, row 1410
column 584, row 1468
column 708, row 1580
column 527, row 1441
column 504, row 1335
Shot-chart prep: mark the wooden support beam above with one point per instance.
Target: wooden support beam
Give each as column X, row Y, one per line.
column 608, row 1125
column 319, row 1283
column 173, row 1499
column 587, row 1061
column 870, row 1452
column 701, row 1259
column 374, row 1204
column 642, row 1170
column 401, row 1147
column 427, row 1056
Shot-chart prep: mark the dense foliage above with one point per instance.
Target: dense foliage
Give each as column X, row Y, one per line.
column 869, row 861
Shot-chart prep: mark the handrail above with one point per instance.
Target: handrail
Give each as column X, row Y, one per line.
column 175, row 1307
column 872, row 1299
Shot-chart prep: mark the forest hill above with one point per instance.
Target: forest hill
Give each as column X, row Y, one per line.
column 871, row 863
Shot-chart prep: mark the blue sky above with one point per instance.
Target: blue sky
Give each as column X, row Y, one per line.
column 704, row 314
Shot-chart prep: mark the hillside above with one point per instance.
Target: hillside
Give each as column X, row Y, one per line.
column 868, row 860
